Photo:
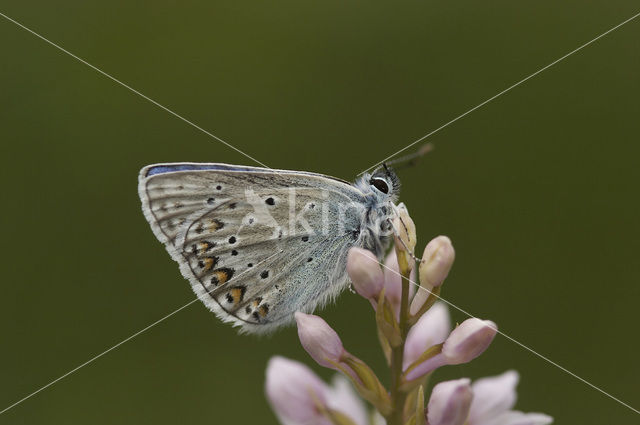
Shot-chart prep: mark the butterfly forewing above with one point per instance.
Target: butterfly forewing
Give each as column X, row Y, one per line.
column 256, row 244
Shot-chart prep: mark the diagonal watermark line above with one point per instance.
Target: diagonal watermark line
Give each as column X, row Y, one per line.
column 531, row 350
column 113, row 347
column 175, row 114
column 502, row 92
column 91, row 360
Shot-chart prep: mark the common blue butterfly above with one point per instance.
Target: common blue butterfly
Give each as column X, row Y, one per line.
column 259, row 244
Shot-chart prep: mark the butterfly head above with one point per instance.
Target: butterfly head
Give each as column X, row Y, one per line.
column 384, row 183
column 380, row 189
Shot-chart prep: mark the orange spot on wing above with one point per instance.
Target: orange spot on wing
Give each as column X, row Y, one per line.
column 221, row 275
column 237, row 294
column 209, row 262
column 205, row 246
column 215, row 224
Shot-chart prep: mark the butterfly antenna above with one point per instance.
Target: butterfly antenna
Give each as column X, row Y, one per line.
column 386, row 168
column 411, row 159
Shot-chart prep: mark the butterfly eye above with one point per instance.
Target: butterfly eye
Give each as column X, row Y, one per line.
column 380, row 184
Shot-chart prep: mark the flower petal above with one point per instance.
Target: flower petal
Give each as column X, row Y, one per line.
column 492, row 396
column 293, row 391
column 342, row 397
column 449, row 402
column 426, row 366
column 431, row 329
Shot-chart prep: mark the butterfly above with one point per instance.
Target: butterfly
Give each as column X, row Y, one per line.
column 259, row 244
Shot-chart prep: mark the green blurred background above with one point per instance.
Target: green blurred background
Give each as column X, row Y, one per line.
column 538, row 189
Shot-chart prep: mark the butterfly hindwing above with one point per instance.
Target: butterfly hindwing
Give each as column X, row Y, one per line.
column 256, row 244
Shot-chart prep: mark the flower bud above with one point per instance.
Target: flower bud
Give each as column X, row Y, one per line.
column 469, row 340
column 465, row 343
column 432, row 328
column 436, row 262
column 405, row 237
column 449, row 402
column 393, row 282
column 294, row 391
column 319, row 340
column 365, row 272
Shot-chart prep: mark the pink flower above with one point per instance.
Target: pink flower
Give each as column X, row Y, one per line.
column 465, row 343
column 488, row 401
column 319, row 340
column 493, row 399
column 298, row 396
column 431, row 329
column 437, row 260
column 393, row 282
column 294, row 392
column 365, row 273
column 449, row 402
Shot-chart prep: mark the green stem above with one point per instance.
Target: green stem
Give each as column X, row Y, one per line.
column 398, row 397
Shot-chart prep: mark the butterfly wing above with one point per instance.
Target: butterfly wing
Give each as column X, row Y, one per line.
column 256, row 244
